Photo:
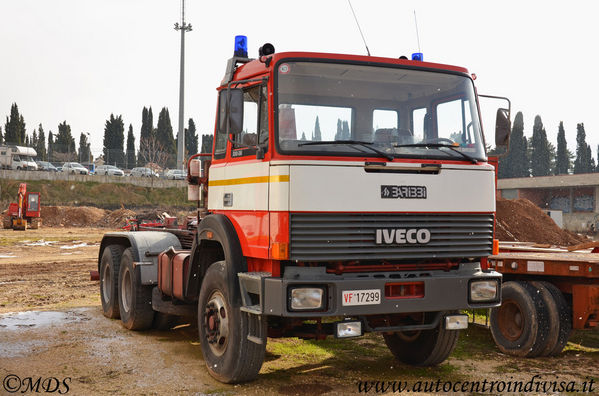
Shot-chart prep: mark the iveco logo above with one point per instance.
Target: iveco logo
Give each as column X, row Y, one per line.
column 402, row 236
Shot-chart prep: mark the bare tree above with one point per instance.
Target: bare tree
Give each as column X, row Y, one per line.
column 65, row 157
column 152, row 152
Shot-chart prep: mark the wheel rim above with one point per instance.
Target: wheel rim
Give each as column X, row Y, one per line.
column 216, row 323
column 126, row 292
column 106, row 284
column 510, row 320
column 411, row 336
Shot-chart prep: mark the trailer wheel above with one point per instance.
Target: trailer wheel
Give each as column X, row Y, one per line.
column 563, row 320
column 135, row 299
column 423, row 347
column 109, row 275
column 230, row 357
column 520, row 325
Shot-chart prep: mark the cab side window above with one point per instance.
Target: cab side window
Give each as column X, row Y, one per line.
column 255, row 123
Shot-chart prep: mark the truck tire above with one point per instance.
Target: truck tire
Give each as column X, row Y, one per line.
column 552, row 332
column 109, row 275
column 135, row 299
column 520, row 325
column 564, row 321
column 223, row 328
column 423, row 347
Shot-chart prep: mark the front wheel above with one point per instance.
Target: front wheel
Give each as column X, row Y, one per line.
column 230, row 357
column 422, row 347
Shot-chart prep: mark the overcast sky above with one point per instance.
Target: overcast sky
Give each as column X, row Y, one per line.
column 81, row 60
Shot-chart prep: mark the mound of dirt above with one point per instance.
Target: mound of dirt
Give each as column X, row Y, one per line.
column 71, row 216
column 523, row 221
column 87, row 216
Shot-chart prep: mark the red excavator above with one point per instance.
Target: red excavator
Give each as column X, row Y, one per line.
column 25, row 212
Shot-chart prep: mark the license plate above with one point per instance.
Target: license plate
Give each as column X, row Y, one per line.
column 361, row 297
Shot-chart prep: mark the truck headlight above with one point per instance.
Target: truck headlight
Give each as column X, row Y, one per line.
column 306, row 298
column 348, row 329
column 484, row 290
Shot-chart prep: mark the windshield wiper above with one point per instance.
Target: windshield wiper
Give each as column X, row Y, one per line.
column 368, row 145
column 438, row 146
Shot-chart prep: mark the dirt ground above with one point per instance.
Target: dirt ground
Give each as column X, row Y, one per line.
column 51, row 326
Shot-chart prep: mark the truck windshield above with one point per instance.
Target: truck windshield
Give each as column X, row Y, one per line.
column 354, row 110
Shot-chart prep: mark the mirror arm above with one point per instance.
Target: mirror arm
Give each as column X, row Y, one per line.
column 509, row 103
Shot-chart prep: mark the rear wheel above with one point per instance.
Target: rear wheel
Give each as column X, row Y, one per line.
column 564, row 321
column 135, row 299
column 520, row 326
column 422, row 347
column 109, row 274
column 224, row 329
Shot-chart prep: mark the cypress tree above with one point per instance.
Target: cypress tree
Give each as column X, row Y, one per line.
column 207, row 141
column 317, row 136
column 1, row 136
column 540, row 160
column 85, row 154
column 345, row 131
column 562, row 162
column 114, row 139
column 515, row 163
column 191, row 138
column 64, row 142
column 131, row 162
column 582, row 163
column 40, row 147
column 339, row 134
column 50, row 146
column 165, row 138
column 14, row 128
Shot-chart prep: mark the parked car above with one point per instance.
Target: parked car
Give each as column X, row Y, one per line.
column 46, row 166
column 175, row 174
column 75, row 168
column 143, row 172
column 109, row 170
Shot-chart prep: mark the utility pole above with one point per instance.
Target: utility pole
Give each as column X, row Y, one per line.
column 184, row 27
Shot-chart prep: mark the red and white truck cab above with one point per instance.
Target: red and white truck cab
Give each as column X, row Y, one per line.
column 345, row 194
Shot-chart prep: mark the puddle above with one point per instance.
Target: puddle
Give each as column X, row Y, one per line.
column 80, row 245
column 23, row 320
column 11, row 282
column 19, row 348
column 10, row 255
column 41, row 242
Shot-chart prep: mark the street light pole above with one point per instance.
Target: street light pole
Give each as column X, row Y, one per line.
column 184, row 27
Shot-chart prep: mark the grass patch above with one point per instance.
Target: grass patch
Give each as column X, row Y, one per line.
column 103, row 195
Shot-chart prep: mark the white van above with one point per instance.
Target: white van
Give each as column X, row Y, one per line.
column 17, row 158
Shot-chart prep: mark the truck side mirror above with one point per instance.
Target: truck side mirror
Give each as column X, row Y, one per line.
column 502, row 128
column 231, row 110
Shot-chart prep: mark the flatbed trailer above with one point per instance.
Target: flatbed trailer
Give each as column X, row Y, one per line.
column 547, row 292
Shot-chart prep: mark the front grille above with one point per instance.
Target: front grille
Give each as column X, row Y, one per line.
column 327, row 237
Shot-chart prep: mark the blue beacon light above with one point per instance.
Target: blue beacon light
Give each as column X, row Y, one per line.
column 241, row 46
column 417, row 56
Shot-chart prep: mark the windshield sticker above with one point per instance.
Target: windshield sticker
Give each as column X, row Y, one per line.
column 284, row 68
